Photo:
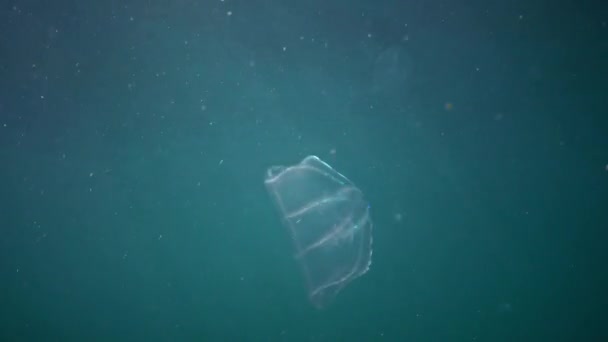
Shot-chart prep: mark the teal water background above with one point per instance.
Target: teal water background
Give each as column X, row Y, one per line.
column 134, row 138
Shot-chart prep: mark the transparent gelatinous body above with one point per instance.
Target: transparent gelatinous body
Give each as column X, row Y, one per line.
column 329, row 222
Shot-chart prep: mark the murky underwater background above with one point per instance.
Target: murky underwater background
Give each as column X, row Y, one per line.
column 135, row 137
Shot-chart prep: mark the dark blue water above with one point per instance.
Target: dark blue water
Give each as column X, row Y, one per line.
column 134, row 138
